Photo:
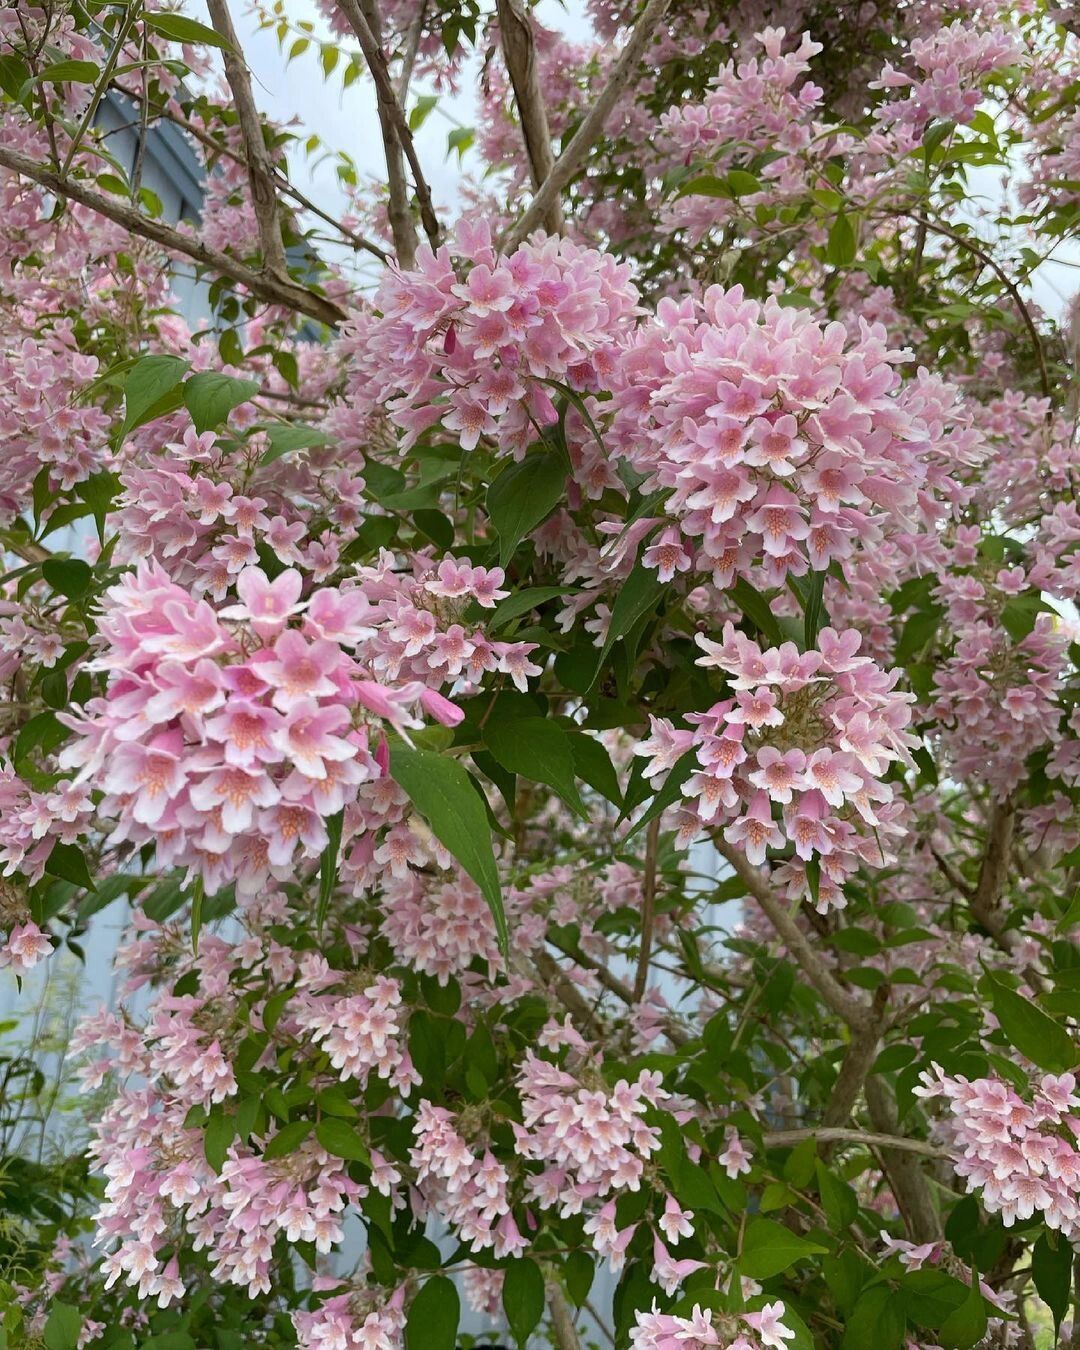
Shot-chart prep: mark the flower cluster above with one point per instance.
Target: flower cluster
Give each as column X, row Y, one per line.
column 704, row 1330
column 32, row 822
column 467, row 1191
column 479, row 353
column 1020, row 1155
column 812, row 733
column 440, row 927
column 228, row 737
column 591, row 1140
column 782, row 446
column 761, row 103
column 360, row 1032
column 950, row 64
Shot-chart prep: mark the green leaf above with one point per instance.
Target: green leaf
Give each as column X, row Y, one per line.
column 210, row 397
column 339, row 1138
column 757, row 609
column 62, row 1327
column 285, row 438
column 433, row 1316
column 578, row 1273
column 705, row 185
column 71, row 72
column 539, row 750
column 197, row 897
column 877, row 1321
column 670, row 792
column 522, row 601
column 151, row 389
column 328, row 862
column 769, row 1249
column 838, row 1200
column 523, row 495
column 523, row 1298
column 841, row 246
column 424, row 106
column 220, row 1132
column 444, row 794
column 965, row 1326
column 813, row 610
column 180, row 28
column 637, row 596
column 43, row 731
column 287, row 1140
column 1029, row 1030
column 593, row 765
column 99, row 491
column 1051, row 1269
column 1071, row 917
column 67, row 861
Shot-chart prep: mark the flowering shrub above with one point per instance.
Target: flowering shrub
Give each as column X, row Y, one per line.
column 572, row 698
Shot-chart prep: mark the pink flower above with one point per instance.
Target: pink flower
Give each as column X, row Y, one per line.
column 770, row 1329
column 25, row 946
column 267, row 605
column 306, row 737
column 300, row 669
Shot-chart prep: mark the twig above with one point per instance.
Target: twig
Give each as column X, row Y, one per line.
column 828, row 1134
column 592, row 125
column 357, row 241
column 854, row 1012
column 273, row 290
column 951, row 875
column 519, row 52
column 103, row 83
column 260, row 166
column 989, row 261
column 648, row 909
column 408, row 61
column 391, row 114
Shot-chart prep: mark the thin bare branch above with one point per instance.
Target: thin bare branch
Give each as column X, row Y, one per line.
column 412, row 46
column 273, row 290
column 835, row 1135
column 392, row 117
column 853, row 1011
column 592, row 125
column 260, row 165
column 519, row 52
column 648, row 909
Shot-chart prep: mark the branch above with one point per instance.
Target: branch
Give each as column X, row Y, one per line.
column 648, row 906
column 274, row 290
column 854, row 1012
column 573, row 156
column 951, row 875
column 394, row 123
column 519, row 52
column 260, row 165
column 994, row 873
column 562, row 1321
column 833, row 1135
column 906, row 1179
column 411, row 49
column 858, row 1061
column 571, row 995
column 1010, row 285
